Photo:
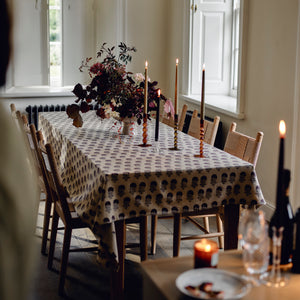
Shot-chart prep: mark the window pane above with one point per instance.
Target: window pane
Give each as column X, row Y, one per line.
column 55, row 42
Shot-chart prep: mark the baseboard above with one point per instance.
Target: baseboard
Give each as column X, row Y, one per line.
column 268, row 209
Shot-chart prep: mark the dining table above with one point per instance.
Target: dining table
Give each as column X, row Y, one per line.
column 111, row 178
column 162, row 279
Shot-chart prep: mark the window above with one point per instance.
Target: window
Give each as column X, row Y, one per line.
column 214, row 40
column 55, row 45
column 50, row 39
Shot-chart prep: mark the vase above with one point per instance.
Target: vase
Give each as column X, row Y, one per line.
column 126, row 125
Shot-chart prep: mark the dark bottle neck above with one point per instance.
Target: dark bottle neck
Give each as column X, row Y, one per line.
column 283, row 189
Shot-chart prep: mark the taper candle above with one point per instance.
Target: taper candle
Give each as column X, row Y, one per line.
column 146, row 89
column 157, row 115
column 202, row 94
column 280, row 188
column 176, row 91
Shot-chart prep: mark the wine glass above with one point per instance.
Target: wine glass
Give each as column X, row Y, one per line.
column 275, row 278
column 253, row 234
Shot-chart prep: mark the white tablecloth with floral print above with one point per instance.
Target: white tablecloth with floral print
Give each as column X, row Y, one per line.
column 110, row 177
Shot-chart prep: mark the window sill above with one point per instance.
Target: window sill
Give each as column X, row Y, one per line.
column 223, row 104
column 37, row 91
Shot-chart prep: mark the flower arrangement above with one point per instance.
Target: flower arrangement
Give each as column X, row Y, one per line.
column 117, row 92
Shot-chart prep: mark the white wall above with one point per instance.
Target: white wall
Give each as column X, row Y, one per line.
column 269, row 84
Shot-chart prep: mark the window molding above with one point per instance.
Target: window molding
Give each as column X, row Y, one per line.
column 218, row 103
column 36, row 92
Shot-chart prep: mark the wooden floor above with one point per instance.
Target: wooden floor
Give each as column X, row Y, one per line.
column 85, row 280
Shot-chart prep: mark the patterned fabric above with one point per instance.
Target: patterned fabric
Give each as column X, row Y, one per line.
column 110, row 177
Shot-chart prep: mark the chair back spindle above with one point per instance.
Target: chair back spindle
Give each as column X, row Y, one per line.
column 62, row 194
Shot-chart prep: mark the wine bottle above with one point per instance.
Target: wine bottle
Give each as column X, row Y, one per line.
column 296, row 254
column 283, row 217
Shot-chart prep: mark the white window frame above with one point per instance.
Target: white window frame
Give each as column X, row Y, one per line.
column 232, row 103
column 28, row 72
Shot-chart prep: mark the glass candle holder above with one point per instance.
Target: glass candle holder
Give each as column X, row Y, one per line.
column 206, row 254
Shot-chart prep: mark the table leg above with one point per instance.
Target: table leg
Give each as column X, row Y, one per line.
column 176, row 234
column 231, row 223
column 117, row 277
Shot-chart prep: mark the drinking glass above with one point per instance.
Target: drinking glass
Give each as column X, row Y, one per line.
column 253, row 234
column 275, row 278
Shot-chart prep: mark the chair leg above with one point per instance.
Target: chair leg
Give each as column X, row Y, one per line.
column 154, row 219
column 64, row 259
column 206, row 223
column 143, row 238
column 176, row 234
column 53, row 239
column 47, row 213
column 220, row 229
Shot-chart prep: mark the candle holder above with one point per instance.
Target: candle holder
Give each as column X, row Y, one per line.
column 175, row 133
column 201, row 139
column 145, row 134
column 275, row 278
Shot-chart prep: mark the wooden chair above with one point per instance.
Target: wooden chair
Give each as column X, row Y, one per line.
column 210, row 132
column 181, row 118
column 38, row 142
column 210, row 128
column 64, row 210
column 237, row 144
column 243, row 146
column 24, row 125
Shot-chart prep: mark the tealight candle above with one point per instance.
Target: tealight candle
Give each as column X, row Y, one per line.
column 206, row 254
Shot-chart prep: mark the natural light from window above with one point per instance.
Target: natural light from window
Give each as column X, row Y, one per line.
column 55, row 43
column 214, row 31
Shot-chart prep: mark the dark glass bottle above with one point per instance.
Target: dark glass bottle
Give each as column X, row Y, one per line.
column 283, row 217
column 296, row 254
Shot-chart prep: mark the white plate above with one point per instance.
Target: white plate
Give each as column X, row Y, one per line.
column 233, row 286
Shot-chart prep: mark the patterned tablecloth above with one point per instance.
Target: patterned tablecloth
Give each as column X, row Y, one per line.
column 110, row 177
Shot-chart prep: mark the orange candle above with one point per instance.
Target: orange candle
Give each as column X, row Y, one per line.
column 206, row 254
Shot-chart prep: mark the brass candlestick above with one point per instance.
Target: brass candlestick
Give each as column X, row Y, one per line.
column 175, row 132
column 145, row 134
column 201, row 139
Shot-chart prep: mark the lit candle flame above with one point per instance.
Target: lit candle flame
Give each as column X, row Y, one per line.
column 282, row 129
column 177, row 61
column 146, row 64
column 203, row 67
column 207, row 248
column 158, row 93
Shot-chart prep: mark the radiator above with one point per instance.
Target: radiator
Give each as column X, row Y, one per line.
column 33, row 111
